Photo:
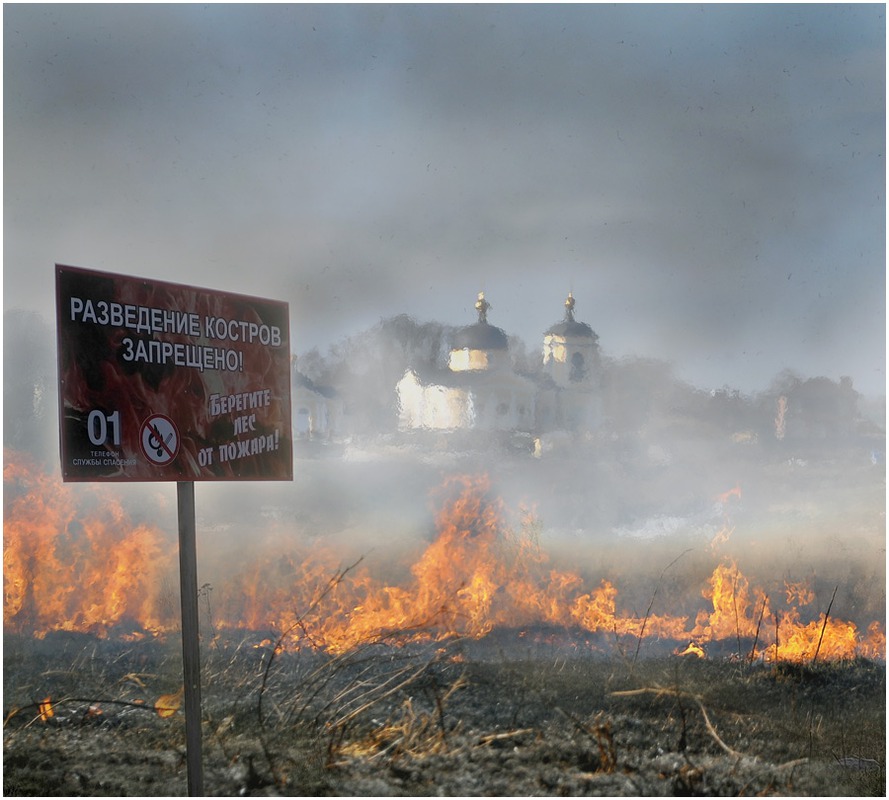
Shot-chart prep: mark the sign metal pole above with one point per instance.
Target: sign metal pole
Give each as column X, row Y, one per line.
column 191, row 656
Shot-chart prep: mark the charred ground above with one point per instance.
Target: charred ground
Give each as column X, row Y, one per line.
column 502, row 716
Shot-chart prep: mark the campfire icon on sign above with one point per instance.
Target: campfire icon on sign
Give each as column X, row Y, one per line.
column 159, row 439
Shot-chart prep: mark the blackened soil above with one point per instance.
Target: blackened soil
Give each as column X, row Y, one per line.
column 439, row 721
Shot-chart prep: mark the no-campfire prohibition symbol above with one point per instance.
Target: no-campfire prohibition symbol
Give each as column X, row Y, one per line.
column 159, row 439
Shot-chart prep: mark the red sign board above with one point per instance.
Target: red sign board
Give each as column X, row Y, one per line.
column 164, row 382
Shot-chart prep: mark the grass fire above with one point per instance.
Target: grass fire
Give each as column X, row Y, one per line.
column 94, row 574
column 480, row 656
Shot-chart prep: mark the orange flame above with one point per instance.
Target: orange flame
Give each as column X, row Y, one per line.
column 64, row 569
column 68, row 566
column 734, row 606
column 45, row 709
column 799, row 592
column 691, row 650
column 168, row 704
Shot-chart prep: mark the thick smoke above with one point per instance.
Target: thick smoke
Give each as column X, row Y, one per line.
column 788, row 484
column 30, row 387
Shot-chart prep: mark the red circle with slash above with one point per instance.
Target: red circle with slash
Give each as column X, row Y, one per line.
column 159, row 439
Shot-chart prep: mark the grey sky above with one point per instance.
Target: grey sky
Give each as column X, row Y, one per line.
column 709, row 181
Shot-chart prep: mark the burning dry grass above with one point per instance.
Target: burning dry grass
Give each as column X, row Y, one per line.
column 72, row 566
column 485, row 665
column 92, row 570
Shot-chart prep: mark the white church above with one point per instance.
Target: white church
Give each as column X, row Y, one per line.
column 481, row 390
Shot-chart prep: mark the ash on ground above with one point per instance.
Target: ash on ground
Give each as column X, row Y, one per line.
column 82, row 720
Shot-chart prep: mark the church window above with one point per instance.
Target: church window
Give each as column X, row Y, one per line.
column 578, row 368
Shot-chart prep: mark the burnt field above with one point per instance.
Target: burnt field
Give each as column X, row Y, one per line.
column 504, row 715
column 392, row 626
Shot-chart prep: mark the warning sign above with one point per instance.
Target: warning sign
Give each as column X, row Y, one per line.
column 161, row 381
column 160, row 439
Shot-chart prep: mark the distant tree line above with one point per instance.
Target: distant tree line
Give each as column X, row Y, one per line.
column 638, row 393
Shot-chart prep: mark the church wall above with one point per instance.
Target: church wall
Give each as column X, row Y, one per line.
column 503, row 407
column 558, row 359
column 410, row 401
column 477, row 360
column 466, row 359
column 445, row 408
column 434, row 407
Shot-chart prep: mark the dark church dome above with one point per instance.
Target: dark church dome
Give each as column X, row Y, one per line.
column 480, row 336
column 570, row 326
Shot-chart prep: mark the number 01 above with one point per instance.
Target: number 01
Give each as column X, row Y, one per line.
column 97, row 425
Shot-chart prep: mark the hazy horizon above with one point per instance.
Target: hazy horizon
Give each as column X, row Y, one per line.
column 708, row 181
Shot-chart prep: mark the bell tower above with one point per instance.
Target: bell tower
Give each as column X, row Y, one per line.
column 571, row 351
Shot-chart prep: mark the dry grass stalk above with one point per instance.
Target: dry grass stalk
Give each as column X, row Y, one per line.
column 762, row 612
column 373, row 694
column 601, row 732
column 660, row 691
column 496, row 737
column 651, row 605
column 414, row 734
column 826, row 617
column 737, row 618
